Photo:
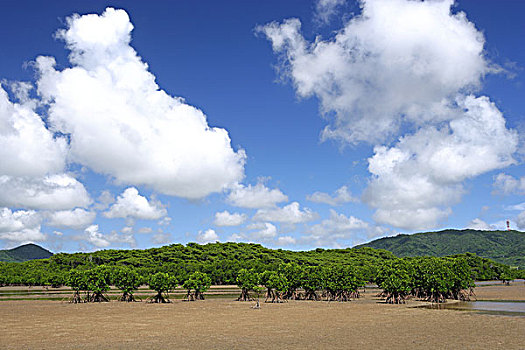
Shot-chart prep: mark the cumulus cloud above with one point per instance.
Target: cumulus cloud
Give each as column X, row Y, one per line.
column 33, row 159
column 396, row 61
column 100, row 240
column 208, row 236
column 53, row 192
column 258, row 196
column 20, row 226
column 27, row 147
column 289, row 214
column 75, row 219
column 224, row 218
column 104, row 200
column 340, row 196
column 518, row 207
column 165, row 221
column 264, row 231
column 478, row 224
column 406, row 68
column 145, row 230
column 507, row 184
column 326, row 9
column 127, row 229
column 416, row 180
column 339, row 230
column 130, row 204
column 286, row 240
column 520, row 220
column 338, row 226
column 120, row 122
column 161, row 237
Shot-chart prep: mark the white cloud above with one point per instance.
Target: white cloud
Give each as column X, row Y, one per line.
column 397, row 61
column 130, row 204
column 75, row 219
column 337, row 226
column 507, row 184
column 145, row 230
column 265, row 231
column 341, row 195
column 415, row 181
column 286, row 240
column 258, row 196
column 289, row 214
column 520, row 220
column 104, row 200
column 27, row 148
column 478, row 224
column 127, row 229
column 403, row 67
column 224, row 218
column 236, row 237
column 165, row 221
column 326, row 9
column 53, row 192
column 20, row 226
column 208, row 236
column 340, row 230
column 161, row 238
column 518, row 207
column 93, row 236
column 122, row 124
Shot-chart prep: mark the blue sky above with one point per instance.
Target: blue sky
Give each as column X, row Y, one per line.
column 336, row 122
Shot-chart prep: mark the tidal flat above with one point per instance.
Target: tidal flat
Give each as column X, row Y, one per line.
column 222, row 323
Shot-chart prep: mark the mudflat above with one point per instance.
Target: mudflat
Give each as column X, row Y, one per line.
column 226, row 324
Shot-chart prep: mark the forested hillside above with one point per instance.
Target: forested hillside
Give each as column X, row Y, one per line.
column 506, row 247
column 24, row 253
column 220, row 261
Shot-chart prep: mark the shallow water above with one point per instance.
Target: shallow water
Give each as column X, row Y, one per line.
column 506, row 308
column 490, row 283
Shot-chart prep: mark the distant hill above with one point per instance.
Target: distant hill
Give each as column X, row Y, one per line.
column 507, row 247
column 24, row 253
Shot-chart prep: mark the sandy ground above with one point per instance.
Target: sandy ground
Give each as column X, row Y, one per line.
column 515, row 291
column 226, row 324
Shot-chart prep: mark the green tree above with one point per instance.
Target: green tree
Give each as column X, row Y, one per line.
column 396, row 278
column 98, row 281
column 128, row 281
column 276, row 284
column 292, row 272
column 342, row 282
column 504, row 274
column 247, row 280
column 77, row 280
column 462, row 281
column 196, row 285
column 311, row 282
column 55, row 279
column 161, row 283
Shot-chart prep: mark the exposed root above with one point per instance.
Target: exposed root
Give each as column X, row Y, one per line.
column 395, row 298
column 245, row 296
column 159, row 298
column 98, row 297
column 127, row 297
column 76, row 299
column 193, row 296
column 311, row 295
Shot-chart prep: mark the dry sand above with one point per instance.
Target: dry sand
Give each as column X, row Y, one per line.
column 226, row 324
column 515, row 291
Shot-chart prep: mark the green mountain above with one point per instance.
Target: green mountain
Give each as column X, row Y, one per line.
column 24, row 253
column 507, row 247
